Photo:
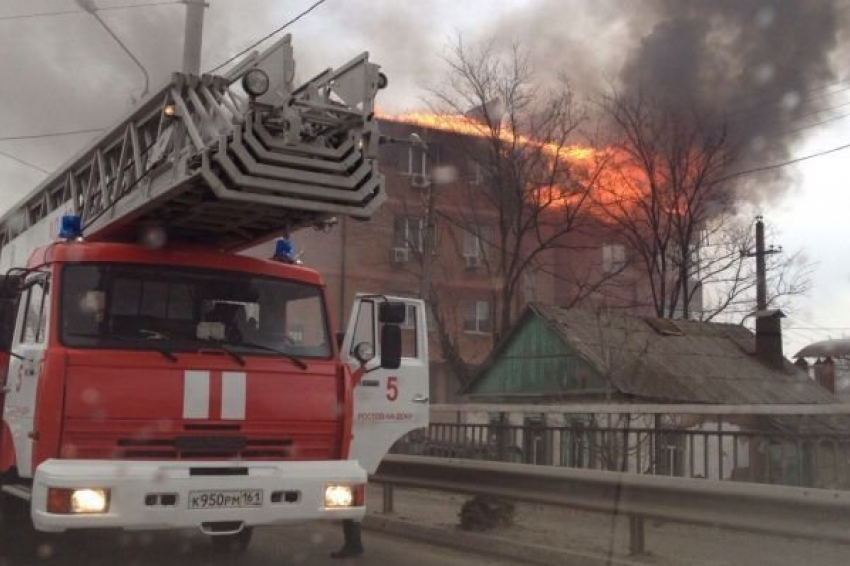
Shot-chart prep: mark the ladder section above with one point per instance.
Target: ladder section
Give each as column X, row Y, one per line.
column 207, row 162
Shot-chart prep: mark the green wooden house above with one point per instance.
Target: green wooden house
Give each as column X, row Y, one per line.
column 555, row 354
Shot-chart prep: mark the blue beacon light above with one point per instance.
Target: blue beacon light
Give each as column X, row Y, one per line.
column 284, row 250
column 70, row 227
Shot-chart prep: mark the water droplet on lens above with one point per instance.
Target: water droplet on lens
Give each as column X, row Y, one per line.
column 764, row 17
column 445, row 174
column 791, row 100
column 44, row 551
column 764, row 73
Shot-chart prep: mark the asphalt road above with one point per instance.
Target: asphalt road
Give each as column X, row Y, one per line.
column 279, row 546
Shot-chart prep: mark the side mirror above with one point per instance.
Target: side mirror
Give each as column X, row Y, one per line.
column 390, row 346
column 364, row 352
column 392, row 313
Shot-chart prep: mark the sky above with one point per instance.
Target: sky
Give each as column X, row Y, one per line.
column 63, row 73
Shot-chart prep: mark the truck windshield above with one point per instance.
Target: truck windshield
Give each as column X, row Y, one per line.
column 126, row 306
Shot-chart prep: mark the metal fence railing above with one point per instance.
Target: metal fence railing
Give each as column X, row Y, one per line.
column 772, row 457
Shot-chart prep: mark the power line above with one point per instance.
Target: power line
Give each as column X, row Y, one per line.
column 823, row 328
column 781, row 163
column 22, row 162
column 41, row 15
column 813, row 90
column 801, row 116
column 104, row 8
column 812, row 125
column 275, row 32
column 51, row 134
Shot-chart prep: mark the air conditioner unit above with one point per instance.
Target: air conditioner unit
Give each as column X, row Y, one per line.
column 472, row 261
column 420, row 181
column 400, row 255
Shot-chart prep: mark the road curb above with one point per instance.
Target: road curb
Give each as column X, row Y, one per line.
column 491, row 545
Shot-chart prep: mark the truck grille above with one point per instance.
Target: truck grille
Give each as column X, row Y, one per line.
column 310, row 441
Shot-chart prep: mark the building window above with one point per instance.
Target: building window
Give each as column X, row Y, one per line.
column 475, row 173
column 417, row 161
column 613, row 258
column 475, row 244
column 409, row 233
column 476, row 318
column 409, row 318
column 430, row 318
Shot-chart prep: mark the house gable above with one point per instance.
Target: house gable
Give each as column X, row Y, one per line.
column 536, row 361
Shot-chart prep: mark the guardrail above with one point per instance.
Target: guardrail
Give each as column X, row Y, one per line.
column 768, row 509
column 760, row 456
column 798, row 445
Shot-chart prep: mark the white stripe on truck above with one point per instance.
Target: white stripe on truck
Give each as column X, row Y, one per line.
column 196, row 395
column 233, row 393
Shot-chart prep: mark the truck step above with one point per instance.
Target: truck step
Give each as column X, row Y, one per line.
column 20, row 491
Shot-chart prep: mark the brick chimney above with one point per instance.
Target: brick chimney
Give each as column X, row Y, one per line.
column 825, row 374
column 769, row 337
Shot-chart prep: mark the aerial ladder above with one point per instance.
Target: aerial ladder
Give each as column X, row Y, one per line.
column 235, row 433
column 210, row 161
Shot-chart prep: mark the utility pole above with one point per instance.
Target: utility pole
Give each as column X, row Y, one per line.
column 761, row 253
column 429, row 236
column 193, row 36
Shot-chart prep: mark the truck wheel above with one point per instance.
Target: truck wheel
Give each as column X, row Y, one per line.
column 13, row 511
column 233, row 544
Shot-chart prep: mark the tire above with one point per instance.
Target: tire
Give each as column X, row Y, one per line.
column 13, row 511
column 232, row 544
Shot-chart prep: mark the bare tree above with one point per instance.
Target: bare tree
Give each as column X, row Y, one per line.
column 667, row 194
column 533, row 193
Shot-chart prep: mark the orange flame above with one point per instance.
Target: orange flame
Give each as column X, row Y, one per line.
column 613, row 190
column 469, row 127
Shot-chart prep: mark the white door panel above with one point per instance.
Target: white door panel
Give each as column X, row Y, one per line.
column 24, row 372
column 387, row 403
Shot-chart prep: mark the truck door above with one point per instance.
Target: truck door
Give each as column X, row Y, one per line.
column 26, row 355
column 8, row 313
column 388, row 403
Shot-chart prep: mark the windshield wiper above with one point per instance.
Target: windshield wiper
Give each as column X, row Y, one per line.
column 167, row 354
column 216, row 345
column 297, row 361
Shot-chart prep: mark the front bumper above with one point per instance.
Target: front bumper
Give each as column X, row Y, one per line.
column 132, row 484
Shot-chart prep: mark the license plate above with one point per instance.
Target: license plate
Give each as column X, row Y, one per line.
column 231, row 499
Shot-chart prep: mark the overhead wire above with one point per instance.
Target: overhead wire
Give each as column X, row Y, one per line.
column 23, row 162
column 268, row 36
column 768, row 105
column 100, row 9
column 50, row 134
column 781, row 163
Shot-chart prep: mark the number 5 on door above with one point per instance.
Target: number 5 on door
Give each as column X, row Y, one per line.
column 392, row 388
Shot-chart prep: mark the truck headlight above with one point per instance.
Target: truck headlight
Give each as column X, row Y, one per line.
column 341, row 495
column 83, row 501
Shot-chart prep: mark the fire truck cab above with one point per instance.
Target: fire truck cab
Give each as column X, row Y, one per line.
column 149, row 389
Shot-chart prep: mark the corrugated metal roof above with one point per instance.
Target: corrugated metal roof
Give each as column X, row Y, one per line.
column 703, row 363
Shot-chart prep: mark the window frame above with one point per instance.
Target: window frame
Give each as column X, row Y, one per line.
column 613, row 257
column 415, row 229
column 41, row 280
column 476, row 235
column 412, row 150
column 478, row 319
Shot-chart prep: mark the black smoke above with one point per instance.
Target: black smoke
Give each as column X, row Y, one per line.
column 761, row 66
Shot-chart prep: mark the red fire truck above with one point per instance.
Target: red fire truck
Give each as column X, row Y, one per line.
column 153, row 377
